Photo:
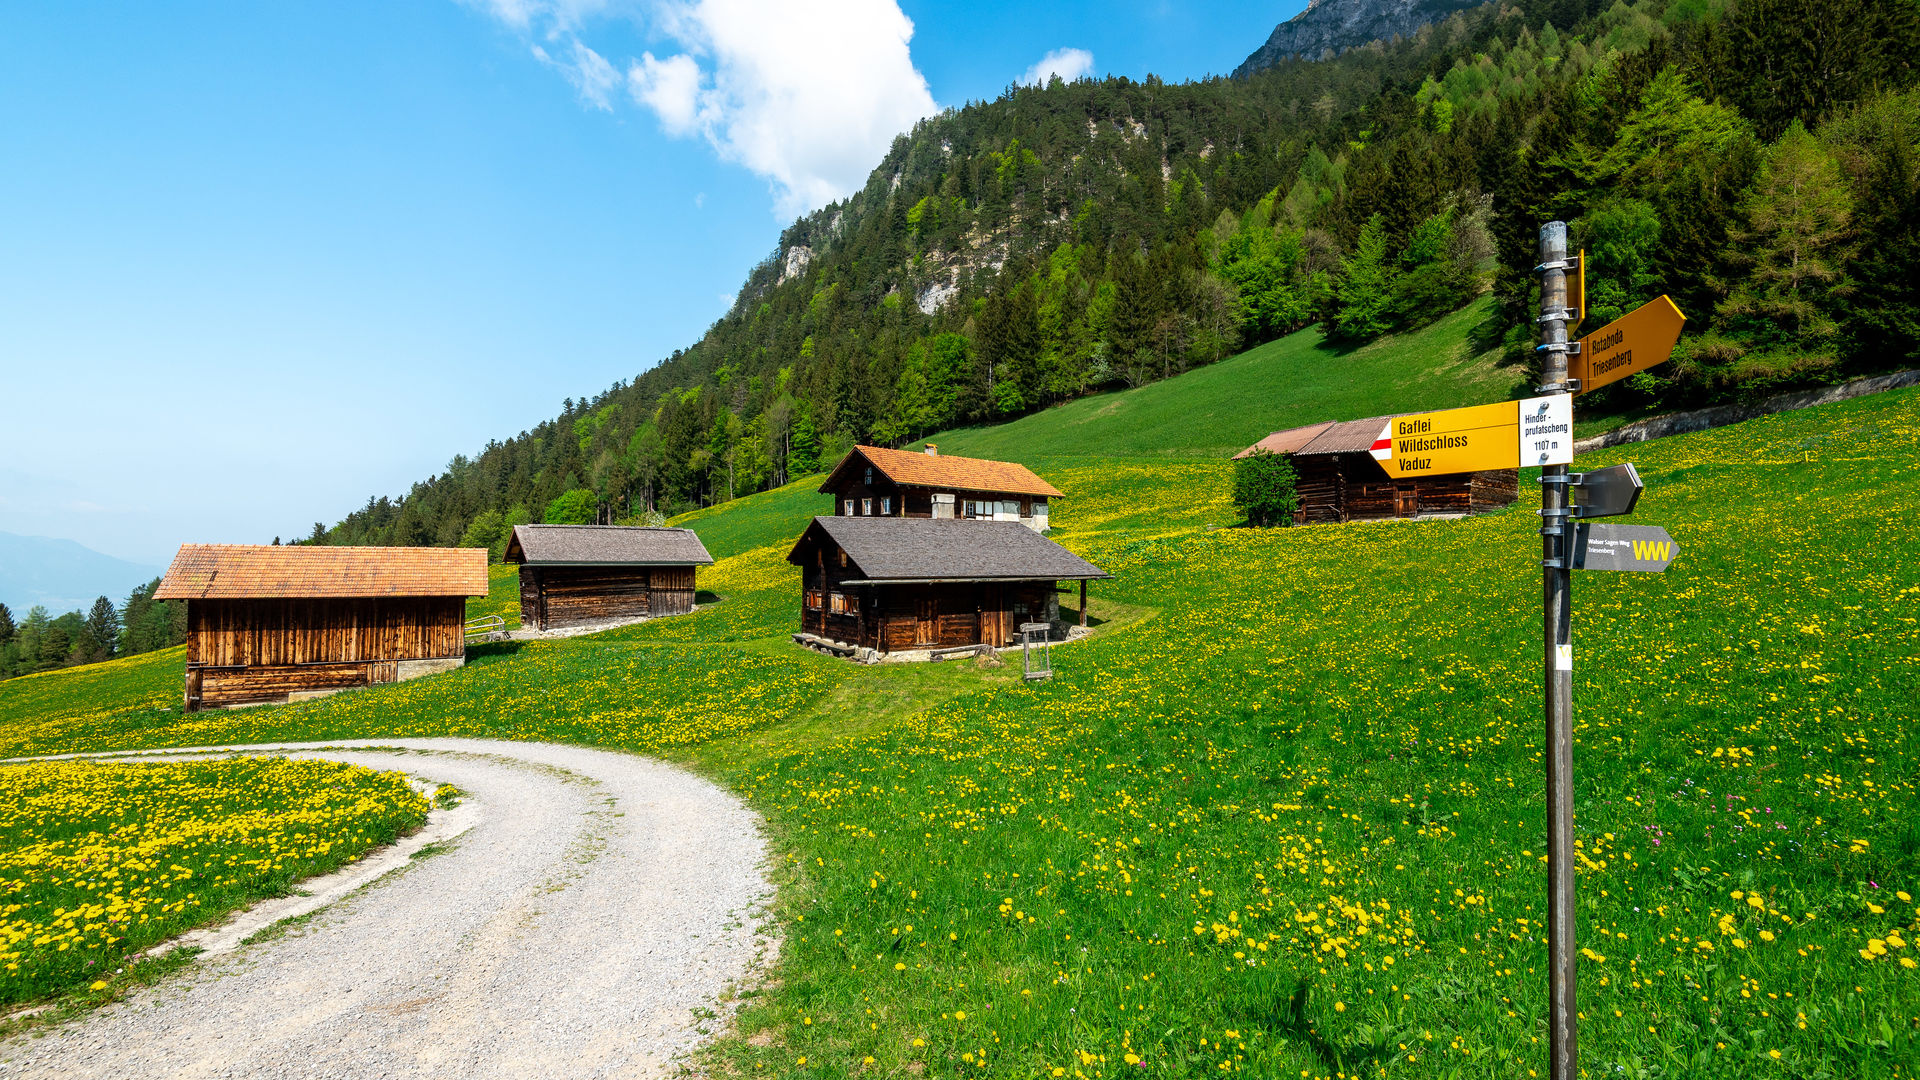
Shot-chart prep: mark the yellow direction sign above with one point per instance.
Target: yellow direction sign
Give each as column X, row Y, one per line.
column 1629, row 344
column 1503, row 435
column 1577, row 292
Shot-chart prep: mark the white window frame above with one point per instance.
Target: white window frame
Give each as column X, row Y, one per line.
column 866, row 507
column 886, row 506
column 849, row 509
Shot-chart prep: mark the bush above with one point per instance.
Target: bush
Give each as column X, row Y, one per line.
column 576, row 507
column 1265, row 488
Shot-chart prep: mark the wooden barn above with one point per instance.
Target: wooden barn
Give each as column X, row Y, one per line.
column 275, row 624
column 1340, row 480
column 872, row 481
column 575, row 575
column 907, row 583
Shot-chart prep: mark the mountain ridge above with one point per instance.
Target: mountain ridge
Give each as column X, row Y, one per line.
column 1328, row 28
column 63, row 575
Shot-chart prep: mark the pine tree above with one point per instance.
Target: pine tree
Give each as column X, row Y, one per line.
column 103, row 626
column 6, row 624
column 1365, row 291
column 1798, row 218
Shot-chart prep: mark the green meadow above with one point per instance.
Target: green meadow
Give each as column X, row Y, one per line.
column 1283, row 815
column 1299, row 379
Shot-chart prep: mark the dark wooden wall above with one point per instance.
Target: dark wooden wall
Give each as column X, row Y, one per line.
column 895, row 617
column 254, row 633
column 1352, row 487
column 246, row 651
column 559, row 596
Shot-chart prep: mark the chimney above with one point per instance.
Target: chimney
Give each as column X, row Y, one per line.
column 932, row 450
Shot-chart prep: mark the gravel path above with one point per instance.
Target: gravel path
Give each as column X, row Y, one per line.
column 596, row 909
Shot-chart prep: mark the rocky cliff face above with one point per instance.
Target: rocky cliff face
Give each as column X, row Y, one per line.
column 1329, row 27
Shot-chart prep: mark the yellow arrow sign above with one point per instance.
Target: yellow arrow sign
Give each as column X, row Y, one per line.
column 1478, row 437
column 1629, row 344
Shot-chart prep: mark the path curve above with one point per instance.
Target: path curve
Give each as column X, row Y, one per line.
column 582, row 927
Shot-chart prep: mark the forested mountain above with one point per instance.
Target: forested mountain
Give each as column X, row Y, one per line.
column 1330, row 27
column 1759, row 160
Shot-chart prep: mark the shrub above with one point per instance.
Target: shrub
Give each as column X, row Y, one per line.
column 1264, row 488
column 576, row 507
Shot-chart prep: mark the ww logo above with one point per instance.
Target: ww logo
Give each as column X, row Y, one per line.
column 1644, row 548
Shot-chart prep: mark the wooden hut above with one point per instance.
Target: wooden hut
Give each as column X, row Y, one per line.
column 890, row 584
column 872, row 481
column 275, row 624
column 1339, row 480
column 575, row 575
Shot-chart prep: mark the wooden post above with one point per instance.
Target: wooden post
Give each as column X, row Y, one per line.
column 1083, row 602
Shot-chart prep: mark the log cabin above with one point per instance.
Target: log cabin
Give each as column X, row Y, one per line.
column 1340, row 481
column 872, row 481
column 275, row 624
column 894, row 584
column 576, row 575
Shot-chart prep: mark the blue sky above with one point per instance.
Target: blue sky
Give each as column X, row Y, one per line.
column 261, row 261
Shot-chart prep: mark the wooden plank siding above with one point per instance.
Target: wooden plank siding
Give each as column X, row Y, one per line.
column 891, row 618
column 1351, row 487
column 248, row 651
column 254, row 633
column 552, row 597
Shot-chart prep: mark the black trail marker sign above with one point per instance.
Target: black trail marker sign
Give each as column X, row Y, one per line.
column 1646, row 548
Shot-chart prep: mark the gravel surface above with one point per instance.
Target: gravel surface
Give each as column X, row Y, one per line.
column 595, row 911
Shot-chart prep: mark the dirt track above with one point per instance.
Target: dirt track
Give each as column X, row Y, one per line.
column 597, row 902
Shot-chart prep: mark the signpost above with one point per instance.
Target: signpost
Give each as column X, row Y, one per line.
column 1629, row 344
column 1645, row 548
column 1504, row 435
column 1639, row 340
column 1607, row 492
column 1539, row 431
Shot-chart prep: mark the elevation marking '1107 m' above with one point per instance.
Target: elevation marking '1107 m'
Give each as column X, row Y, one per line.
column 1503, row 435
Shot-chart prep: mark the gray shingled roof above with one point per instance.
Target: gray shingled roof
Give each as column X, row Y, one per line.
column 616, row 545
column 929, row 549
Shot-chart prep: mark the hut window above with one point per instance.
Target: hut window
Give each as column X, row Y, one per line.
column 869, row 476
column 849, row 507
column 866, row 507
column 842, row 604
column 843, row 559
column 813, row 599
column 886, row 506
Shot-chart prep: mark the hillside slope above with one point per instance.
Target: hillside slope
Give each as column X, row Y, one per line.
column 1016, row 254
column 1296, row 765
column 1218, row 410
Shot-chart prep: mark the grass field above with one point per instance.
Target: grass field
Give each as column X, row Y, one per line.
column 99, row 861
column 1299, row 379
column 1284, row 816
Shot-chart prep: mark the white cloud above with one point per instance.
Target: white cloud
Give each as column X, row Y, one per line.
column 1069, row 64
column 808, row 96
column 588, row 71
column 670, row 87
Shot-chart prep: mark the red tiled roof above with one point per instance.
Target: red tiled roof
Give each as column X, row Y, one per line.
column 1285, row 442
column 249, row 571
column 942, row 471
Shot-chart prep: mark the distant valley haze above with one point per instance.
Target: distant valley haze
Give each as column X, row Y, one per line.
column 62, row 576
